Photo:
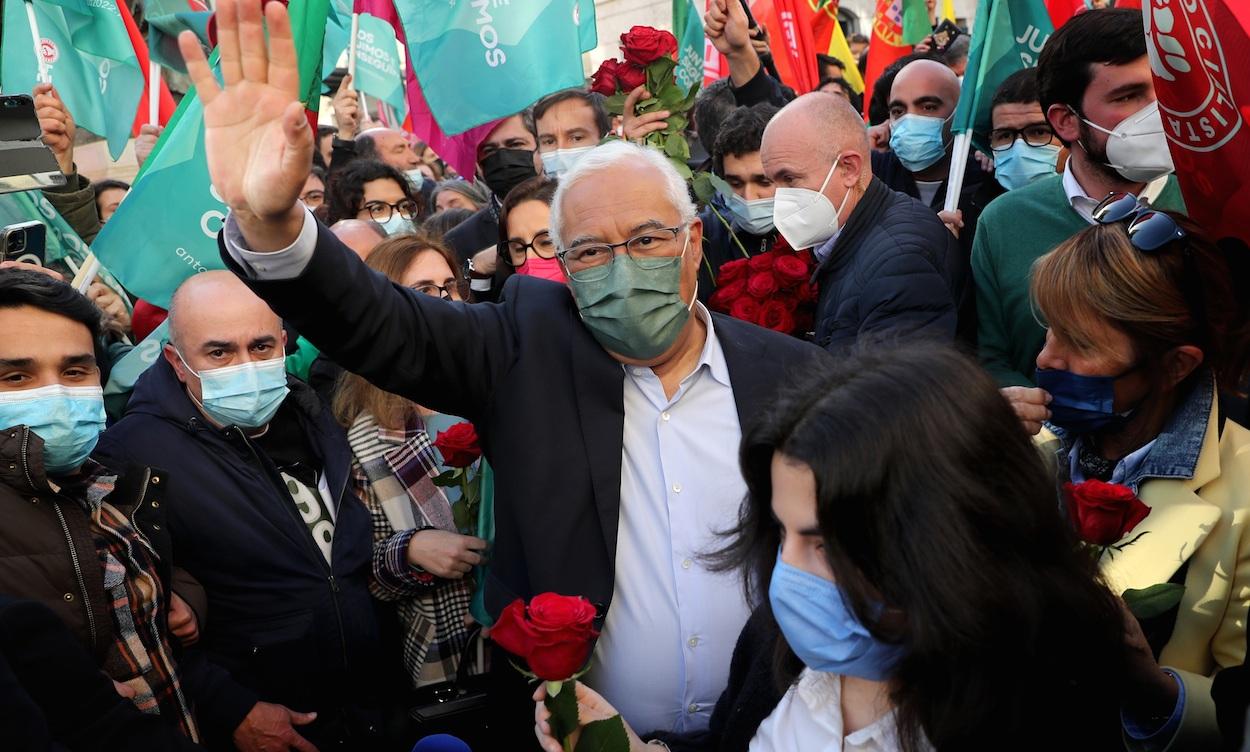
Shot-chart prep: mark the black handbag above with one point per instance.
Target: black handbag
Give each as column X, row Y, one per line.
column 457, row 707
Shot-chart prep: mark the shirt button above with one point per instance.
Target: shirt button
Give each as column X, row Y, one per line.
column 694, row 707
column 68, row 596
column 686, row 564
column 156, row 504
column 693, row 642
column 665, row 416
column 676, row 488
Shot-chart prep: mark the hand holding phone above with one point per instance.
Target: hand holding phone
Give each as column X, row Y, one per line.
column 24, row 243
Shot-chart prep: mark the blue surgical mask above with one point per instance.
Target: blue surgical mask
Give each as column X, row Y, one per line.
column 69, row 419
column 821, row 629
column 1081, row 404
column 557, row 163
column 246, row 395
column 918, row 141
column 755, row 217
column 1021, row 164
column 397, row 225
column 416, row 178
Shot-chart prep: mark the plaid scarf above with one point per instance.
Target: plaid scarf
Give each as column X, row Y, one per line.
column 392, row 474
column 137, row 604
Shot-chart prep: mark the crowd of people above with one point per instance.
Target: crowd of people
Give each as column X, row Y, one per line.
column 914, row 507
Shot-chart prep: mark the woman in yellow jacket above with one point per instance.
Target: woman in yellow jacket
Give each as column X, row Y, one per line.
column 1145, row 328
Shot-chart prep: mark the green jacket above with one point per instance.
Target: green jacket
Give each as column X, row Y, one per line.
column 1015, row 230
column 76, row 202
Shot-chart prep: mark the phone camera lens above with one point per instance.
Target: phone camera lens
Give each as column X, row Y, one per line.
column 17, row 243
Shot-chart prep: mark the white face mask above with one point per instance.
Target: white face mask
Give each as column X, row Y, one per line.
column 397, row 225
column 416, row 178
column 560, row 161
column 806, row 218
column 1137, row 147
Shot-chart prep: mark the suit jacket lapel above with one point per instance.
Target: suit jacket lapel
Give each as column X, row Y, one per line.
column 599, row 384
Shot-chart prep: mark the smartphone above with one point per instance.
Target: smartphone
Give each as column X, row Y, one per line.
column 18, row 121
column 944, row 34
column 25, row 162
column 24, row 242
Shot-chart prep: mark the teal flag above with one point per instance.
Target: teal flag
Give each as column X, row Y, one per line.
column 378, row 71
column 477, row 61
column 126, row 371
column 1008, row 36
column 338, row 35
column 587, row 28
column 688, row 27
column 169, row 18
column 166, row 228
column 89, row 58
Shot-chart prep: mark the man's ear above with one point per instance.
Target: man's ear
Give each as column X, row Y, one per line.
column 171, row 357
column 696, row 241
column 850, row 169
column 1065, row 122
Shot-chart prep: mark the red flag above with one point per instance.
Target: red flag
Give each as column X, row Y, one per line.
column 1061, row 10
column 886, row 45
column 166, row 106
column 794, row 52
column 1194, row 51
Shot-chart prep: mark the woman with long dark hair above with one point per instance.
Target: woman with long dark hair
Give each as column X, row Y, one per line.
column 917, row 587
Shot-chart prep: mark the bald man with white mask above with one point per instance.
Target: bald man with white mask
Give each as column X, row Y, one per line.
column 887, row 265
column 261, row 513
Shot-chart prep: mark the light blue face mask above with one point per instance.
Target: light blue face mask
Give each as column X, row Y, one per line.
column 397, row 225
column 918, row 141
column 821, row 629
column 560, row 161
column 69, row 419
column 246, row 395
column 1021, row 164
column 416, row 178
column 755, row 217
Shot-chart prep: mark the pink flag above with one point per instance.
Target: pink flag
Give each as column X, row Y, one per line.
column 460, row 150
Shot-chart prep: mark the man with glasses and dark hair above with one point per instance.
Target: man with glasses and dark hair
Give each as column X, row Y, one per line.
column 1093, row 80
column 608, row 409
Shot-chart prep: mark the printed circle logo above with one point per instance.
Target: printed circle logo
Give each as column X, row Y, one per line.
column 887, row 22
column 49, row 51
column 1197, row 104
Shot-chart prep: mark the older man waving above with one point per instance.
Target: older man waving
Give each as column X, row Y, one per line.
column 611, row 415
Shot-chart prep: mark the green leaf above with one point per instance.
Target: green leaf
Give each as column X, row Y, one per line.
column 1152, row 601
column 448, row 479
column 563, row 709
column 648, row 105
column 677, row 146
column 660, row 74
column 615, row 104
column 720, row 185
column 676, row 124
column 702, row 187
column 682, row 168
column 691, row 95
column 671, row 97
column 607, row 735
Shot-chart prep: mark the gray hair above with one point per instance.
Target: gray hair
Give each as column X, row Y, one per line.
column 472, row 191
column 610, row 154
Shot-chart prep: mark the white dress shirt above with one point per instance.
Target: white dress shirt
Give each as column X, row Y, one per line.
column 1083, row 204
column 809, row 719
column 663, row 657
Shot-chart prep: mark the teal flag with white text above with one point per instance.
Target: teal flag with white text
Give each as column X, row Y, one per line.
column 338, row 34
column 688, row 28
column 89, row 58
column 481, row 60
column 378, row 71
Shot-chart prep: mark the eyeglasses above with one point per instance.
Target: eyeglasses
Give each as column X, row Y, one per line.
column 1148, row 229
column 380, row 211
column 542, row 246
column 313, row 199
column 653, row 249
column 1035, row 134
column 453, row 290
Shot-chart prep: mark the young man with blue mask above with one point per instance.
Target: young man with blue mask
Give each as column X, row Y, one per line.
column 738, row 224
column 1024, row 147
column 80, row 537
column 570, row 123
column 261, row 514
column 1093, row 78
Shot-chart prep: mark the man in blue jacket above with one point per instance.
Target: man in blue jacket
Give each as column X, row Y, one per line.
column 260, row 512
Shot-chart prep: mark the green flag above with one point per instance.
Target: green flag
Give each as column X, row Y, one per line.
column 587, row 28
column 169, row 18
column 689, row 30
column 89, row 58
column 916, row 24
column 308, row 25
column 479, row 61
column 378, row 71
column 1008, row 36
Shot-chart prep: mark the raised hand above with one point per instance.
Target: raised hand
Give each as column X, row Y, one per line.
column 346, row 106
column 636, row 127
column 726, row 25
column 257, row 141
column 149, row 134
column 57, row 125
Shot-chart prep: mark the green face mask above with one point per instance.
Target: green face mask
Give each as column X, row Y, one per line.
column 635, row 310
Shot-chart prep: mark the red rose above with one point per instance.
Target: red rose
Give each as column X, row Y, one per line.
column 762, row 284
column 554, row 635
column 791, row 270
column 789, row 299
column 1103, row 513
column 807, row 293
column 773, row 315
column 642, row 45
column 459, row 445
column 731, row 271
column 630, row 77
column 762, row 262
column 604, row 80
column 745, row 309
column 726, row 294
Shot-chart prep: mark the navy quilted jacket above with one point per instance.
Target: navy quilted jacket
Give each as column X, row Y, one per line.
column 894, row 270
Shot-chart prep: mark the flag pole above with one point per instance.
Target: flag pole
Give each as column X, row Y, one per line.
column 44, row 73
column 154, row 92
column 959, row 162
column 351, row 47
column 86, row 274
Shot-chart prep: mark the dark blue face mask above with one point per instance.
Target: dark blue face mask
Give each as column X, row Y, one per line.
column 1082, row 404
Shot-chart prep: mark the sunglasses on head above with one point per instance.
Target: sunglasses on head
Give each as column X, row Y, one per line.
column 1148, row 230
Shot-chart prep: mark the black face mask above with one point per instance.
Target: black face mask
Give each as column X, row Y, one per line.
column 505, row 169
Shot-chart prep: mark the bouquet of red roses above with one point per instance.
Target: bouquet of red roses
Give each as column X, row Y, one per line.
column 649, row 61
column 772, row 289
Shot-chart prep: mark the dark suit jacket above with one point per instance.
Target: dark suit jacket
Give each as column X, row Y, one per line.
column 547, row 400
